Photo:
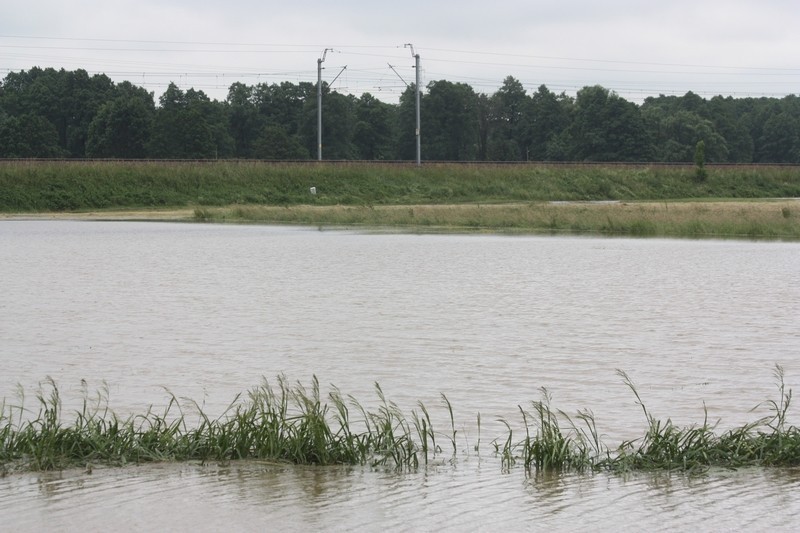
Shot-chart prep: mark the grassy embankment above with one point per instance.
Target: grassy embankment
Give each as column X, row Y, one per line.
column 649, row 200
column 295, row 425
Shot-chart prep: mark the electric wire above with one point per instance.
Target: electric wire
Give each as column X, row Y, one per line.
column 179, row 64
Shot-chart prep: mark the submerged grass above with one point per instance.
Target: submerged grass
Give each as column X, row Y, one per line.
column 765, row 442
column 293, row 424
column 288, row 423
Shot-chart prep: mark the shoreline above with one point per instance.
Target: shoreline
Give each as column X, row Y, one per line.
column 184, row 214
column 756, row 218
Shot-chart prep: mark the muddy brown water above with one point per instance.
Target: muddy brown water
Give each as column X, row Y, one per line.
column 206, row 311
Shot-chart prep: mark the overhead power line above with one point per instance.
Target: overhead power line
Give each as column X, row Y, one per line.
column 315, row 46
column 211, row 65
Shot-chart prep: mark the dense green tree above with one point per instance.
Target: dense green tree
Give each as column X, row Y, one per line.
column 122, row 126
column 700, row 173
column 338, row 125
column 216, row 116
column 607, row 128
column 675, row 135
column 780, row 139
column 284, row 103
column 67, row 99
column 510, row 129
column 754, row 112
column 28, row 136
column 188, row 125
column 730, row 123
column 374, row 128
column 274, row 143
column 34, row 93
column 59, row 113
column 178, row 131
column 485, row 125
column 82, row 98
column 405, row 141
column 450, row 120
column 245, row 124
column 550, row 116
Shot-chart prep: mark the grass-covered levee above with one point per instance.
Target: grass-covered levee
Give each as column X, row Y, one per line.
column 31, row 186
column 640, row 200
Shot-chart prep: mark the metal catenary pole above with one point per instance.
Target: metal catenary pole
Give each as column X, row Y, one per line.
column 417, row 92
column 319, row 103
column 419, row 145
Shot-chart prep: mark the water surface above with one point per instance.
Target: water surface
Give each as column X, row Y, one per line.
column 206, row 311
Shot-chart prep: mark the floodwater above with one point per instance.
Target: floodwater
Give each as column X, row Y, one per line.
column 204, row 312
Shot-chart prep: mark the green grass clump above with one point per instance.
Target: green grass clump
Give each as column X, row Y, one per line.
column 548, row 447
column 288, row 424
column 292, row 424
column 554, row 441
column 577, row 447
column 765, row 442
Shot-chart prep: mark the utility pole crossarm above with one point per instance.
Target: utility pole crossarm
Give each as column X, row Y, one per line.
column 397, row 73
column 337, row 76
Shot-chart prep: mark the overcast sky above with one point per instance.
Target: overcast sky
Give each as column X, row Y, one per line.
column 634, row 47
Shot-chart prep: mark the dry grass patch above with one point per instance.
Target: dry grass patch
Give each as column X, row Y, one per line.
column 744, row 219
column 773, row 219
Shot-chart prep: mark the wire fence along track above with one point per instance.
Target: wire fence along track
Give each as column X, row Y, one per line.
column 365, row 162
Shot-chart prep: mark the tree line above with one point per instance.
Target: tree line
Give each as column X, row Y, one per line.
column 60, row 113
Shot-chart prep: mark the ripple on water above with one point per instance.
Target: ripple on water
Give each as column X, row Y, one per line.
column 470, row 496
column 204, row 311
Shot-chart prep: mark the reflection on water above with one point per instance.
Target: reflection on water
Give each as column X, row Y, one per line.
column 204, row 311
column 249, row 496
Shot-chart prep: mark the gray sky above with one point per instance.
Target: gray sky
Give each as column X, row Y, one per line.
column 637, row 48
